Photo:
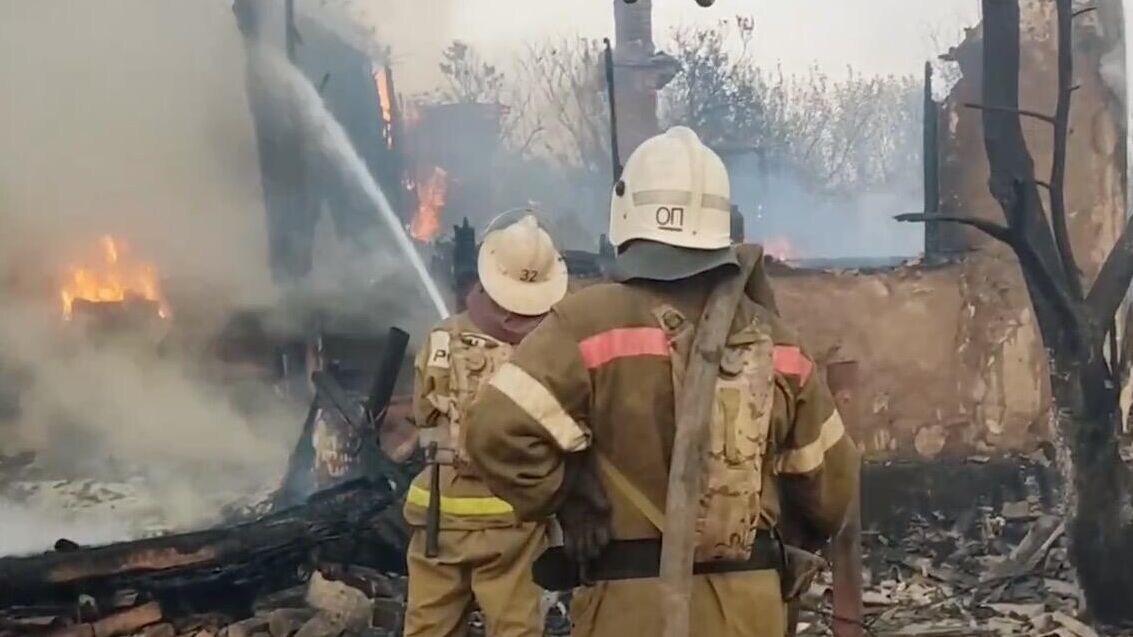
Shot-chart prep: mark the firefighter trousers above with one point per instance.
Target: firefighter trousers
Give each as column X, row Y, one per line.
column 491, row 567
column 723, row 605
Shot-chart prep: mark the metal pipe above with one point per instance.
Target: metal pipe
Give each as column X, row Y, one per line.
column 931, row 151
column 615, row 156
column 433, row 515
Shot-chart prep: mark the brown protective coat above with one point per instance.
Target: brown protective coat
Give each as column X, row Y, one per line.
column 438, row 396
column 626, row 406
column 484, row 559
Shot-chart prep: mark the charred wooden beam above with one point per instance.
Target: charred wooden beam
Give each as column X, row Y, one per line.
column 350, row 410
column 931, row 165
column 362, row 427
column 385, row 376
column 251, row 554
column 464, row 266
column 122, row 623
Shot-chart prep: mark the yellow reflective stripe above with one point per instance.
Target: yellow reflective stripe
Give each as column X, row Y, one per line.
column 533, row 398
column 459, row 506
column 809, row 458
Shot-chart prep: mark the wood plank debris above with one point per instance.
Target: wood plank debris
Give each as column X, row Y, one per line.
column 209, row 582
column 984, row 574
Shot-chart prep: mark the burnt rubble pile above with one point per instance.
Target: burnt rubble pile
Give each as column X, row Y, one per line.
column 322, row 568
column 991, row 571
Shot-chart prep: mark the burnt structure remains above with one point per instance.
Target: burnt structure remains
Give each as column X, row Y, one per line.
column 298, row 185
column 937, row 365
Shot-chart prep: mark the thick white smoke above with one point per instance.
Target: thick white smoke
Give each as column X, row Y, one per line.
column 127, row 118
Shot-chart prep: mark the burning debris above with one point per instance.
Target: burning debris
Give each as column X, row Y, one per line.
column 323, row 554
column 431, row 196
column 117, row 279
column 320, row 556
column 385, row 100
column 780, row 249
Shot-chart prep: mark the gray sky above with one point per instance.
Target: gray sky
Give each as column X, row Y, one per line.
column 875, row 36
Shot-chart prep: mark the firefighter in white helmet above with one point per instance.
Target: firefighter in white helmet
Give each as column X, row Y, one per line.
column 483, row 552
column 580, row 422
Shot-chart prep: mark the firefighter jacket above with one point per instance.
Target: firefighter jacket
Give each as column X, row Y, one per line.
column 599, row 373
column 450, row 370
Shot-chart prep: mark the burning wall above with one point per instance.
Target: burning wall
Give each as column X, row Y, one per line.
column 453, row 146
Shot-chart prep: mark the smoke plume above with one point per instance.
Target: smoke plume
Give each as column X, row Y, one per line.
column 128, row 118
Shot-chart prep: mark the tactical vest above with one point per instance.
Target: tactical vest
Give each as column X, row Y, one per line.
column 473, row 359
column 461, row 360
column 730, row 501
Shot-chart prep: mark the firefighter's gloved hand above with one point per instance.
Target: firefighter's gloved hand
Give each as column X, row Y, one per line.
column 584, row 514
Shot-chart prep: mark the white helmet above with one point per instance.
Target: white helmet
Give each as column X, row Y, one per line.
column 670, row 214
column 519, row 266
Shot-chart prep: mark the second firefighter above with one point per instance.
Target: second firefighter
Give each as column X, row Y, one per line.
column 479, row 550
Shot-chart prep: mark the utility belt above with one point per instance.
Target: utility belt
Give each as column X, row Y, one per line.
column 641, row 559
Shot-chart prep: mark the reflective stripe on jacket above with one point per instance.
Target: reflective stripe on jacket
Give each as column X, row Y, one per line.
column 597, row 372
column 438, row 398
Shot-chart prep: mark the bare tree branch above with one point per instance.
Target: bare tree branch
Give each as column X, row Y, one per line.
column 1009, row 109
column 851, row 134
column 1033, row 266
column 1012, row 168
column 1114, row 353
column 1125, row 360
column 1110, row 287
column 565, row 75
column 531, row 137
column 1040, row 273
column 1074, row 331
column 994, row 230
column 1058, row 161
column 1012, row 181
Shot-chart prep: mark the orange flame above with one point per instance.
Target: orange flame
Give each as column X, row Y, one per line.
column 780, row 249
column 431, row 195
column 115, row 280
column 381, row 80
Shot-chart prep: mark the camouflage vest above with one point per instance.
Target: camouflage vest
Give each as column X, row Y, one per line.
column 730, row 503
column 473, row 359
